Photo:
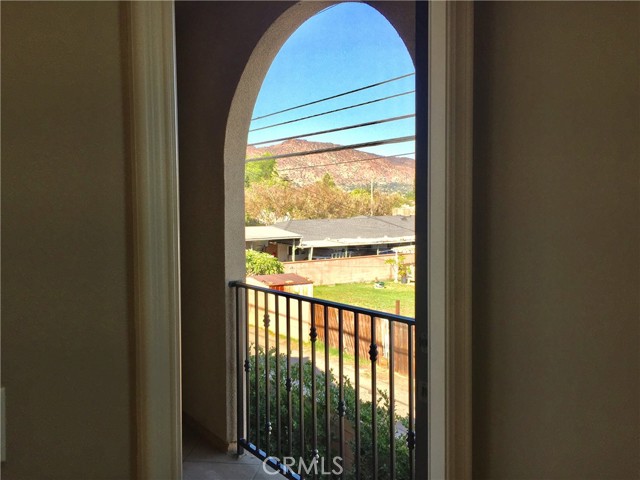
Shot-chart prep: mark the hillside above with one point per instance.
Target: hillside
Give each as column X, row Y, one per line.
column 390, row 174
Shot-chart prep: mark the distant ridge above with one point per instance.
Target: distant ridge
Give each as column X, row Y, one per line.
column 389, row 174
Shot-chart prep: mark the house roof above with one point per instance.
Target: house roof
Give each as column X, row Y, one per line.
column 405, row 249
column 268, row 233
column 282, row 279
column 337, row 232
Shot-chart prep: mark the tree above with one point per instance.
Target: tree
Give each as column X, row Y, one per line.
column 260, row 171
column 268, row 202
column 328, row 181
column 260, row 263
column 401, row 268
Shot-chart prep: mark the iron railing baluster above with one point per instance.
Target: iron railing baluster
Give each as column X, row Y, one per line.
column 301, row 378
column 288, row 383
column 247, row 362
column 327, row 388
column 341, row 405
column 257, row 373
column 267, row 380
column 356, row 336
column 392, row 406
column 373, row 356
column 277, row 381
column 313, row 335
column 411, row 435
column 239, row 374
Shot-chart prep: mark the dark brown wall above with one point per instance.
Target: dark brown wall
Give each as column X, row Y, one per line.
column 214, row 42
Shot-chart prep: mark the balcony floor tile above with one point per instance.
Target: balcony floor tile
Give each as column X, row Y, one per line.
column 203, row 462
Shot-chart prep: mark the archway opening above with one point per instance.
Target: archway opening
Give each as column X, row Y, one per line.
column 297, row 138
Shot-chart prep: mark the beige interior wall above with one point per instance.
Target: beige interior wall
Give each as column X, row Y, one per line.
column 556, row 241
column 65, row 305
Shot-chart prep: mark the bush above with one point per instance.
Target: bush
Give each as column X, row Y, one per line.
column 303, row 449
column 260, row 263
column 399, row 265
column 260, row 171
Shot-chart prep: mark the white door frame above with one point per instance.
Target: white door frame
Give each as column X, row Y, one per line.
column 444, row 354
column 156, row 240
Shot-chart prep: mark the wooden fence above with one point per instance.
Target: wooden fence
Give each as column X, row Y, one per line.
column 400, row 333
column 297, row 307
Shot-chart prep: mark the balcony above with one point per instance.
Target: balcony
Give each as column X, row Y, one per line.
column 324, row 388
column 201, row 461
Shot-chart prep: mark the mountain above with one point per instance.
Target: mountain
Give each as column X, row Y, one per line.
column 349, row 168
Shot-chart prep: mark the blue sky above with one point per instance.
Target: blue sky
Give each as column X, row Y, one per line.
column 342, row 48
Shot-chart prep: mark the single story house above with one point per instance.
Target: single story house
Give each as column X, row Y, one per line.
column 346, row 237
column 276, row 241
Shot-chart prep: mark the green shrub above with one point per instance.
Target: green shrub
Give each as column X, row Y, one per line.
column 260, row 263
column 399, row 264
column 304, row 449
column 260, row 171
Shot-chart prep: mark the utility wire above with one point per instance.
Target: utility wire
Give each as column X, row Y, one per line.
column 338, row 148
column 333, row 111
column 339, row 129
column 395, row 224
column 325, row 9
column 333, row 96
column 346, row 161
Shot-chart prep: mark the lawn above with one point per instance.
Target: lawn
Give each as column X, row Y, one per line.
column 364, row 295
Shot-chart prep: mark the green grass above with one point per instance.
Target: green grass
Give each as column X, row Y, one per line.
column 364, row 295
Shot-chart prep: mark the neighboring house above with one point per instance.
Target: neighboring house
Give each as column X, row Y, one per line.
column 404, row 210
column 276, row 241
column 346, row 237
column 332, row 239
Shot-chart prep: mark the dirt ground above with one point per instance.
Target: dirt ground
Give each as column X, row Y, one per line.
column 401, row 382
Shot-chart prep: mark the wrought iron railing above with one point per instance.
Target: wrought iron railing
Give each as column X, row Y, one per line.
column 301, row 418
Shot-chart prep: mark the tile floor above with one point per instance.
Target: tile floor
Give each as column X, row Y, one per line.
column 202, row 462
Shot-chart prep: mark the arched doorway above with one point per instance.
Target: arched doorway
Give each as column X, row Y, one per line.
column 234, row 160
column 213, row 48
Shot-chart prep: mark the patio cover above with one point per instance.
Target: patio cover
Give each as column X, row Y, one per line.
column 257, row 234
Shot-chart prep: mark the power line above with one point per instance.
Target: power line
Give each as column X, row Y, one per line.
column 326, row 9
column 395, row 225
column 333, row 111
column 339, row 129
column 333, row 96
column 338, row 148
column 342, row 163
